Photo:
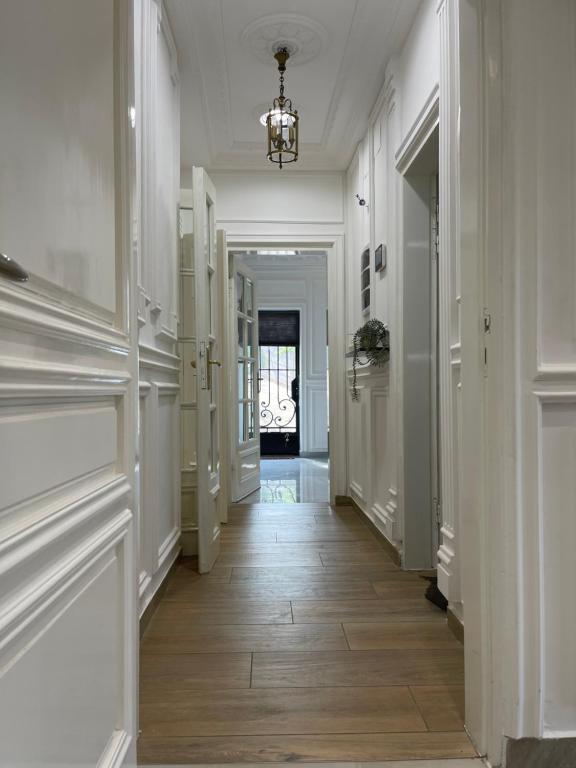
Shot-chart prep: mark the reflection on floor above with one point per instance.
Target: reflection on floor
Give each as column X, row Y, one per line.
column 304, row 644
column 292, row 481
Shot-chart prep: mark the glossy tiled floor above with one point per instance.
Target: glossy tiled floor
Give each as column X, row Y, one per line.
column 292, row 481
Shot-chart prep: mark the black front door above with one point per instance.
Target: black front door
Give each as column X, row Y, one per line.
column 279, row 356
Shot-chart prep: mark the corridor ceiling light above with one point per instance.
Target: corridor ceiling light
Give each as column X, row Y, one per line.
column 282, row 121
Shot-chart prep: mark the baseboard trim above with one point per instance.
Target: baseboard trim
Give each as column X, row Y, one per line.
column 157, row 596
column 455, row 625
column 537, row 753
column 385, row 543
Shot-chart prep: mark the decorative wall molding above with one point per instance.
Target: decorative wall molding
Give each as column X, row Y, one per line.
column 550, row 373
column 31, row 314
column 47, row 529
column 68, row 412
column 419, row 133
column 449, row 292
column 159, row 363
column 28, row 607
column 21, row 378
column 159, row 360
column 304, row 37
column 357, row 491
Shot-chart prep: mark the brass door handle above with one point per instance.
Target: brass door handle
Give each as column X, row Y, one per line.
column 209, row 364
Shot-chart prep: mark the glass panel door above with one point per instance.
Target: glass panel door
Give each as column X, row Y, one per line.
column 244, row 348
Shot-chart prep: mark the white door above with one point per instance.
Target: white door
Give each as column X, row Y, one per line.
column 208, row 364
column 246, row 430
column 68, row 379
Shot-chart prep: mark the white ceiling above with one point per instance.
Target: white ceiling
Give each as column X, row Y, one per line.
column 228, row 75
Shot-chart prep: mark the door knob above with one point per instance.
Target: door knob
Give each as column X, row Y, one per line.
column 12, row 270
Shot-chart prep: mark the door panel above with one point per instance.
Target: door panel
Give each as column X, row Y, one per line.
column 208, row 364
column 246, row 432
column 68, row 373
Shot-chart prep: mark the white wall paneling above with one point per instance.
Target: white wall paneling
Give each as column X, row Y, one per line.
column 449, row 292
column 168, row 451
column 158, row 167
column 535, row 263
column 159, row 468
column 159, row 173
column 68, row 387
column 517, row 155
column 370, row 475
column 403, row 122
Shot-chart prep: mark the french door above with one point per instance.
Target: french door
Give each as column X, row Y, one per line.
column 278, row 391
column 207, row 364
column 246, row 443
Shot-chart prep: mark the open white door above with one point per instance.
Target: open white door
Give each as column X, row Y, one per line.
column 208, row 363
column 246, row 431
column 68, row 386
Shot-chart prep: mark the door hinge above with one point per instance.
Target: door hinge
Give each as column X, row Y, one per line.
column 437, row 510
column 487, row 322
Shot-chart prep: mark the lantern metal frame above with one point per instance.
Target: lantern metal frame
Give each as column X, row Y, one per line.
column 282, row 121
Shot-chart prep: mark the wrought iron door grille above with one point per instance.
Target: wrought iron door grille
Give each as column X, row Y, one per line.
column 278, row 398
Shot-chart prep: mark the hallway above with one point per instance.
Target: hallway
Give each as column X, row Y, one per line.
column 305, row 643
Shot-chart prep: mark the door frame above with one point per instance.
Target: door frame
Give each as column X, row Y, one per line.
column 333, row 246
column 420, row 514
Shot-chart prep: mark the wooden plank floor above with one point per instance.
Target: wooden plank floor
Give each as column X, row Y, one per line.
column 305, row 644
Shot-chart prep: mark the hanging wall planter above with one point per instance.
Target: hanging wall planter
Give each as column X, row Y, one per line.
column 372, row 341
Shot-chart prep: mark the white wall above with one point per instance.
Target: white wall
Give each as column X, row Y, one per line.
column 277, row 203
column 158, row 164
column 400, row 122
column 300, row 284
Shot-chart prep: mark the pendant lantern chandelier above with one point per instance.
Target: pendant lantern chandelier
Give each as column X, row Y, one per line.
column 282, row 121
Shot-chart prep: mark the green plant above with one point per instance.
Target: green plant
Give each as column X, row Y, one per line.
column 372, row 340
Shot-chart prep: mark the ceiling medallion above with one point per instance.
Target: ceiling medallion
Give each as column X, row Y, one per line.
column 282, row 121
column 303, row 37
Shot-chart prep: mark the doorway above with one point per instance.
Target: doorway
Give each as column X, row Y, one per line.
column 278, row 382
column 420, row 357
column 290, row 452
